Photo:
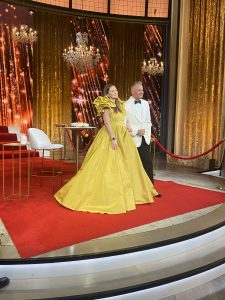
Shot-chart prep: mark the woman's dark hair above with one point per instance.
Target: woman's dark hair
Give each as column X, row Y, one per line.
column 106, row 89
column 105, row 93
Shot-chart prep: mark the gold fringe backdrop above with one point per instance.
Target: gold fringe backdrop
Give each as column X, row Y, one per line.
column 205, row 102
column 126, row 43
column 52, row 79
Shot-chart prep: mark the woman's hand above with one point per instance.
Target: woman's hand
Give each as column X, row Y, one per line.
column 129, row 128
column 114, row 144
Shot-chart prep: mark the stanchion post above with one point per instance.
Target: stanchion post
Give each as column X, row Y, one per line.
column 154, row 152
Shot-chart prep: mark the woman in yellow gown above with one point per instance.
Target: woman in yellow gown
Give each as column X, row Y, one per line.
column 111, row 179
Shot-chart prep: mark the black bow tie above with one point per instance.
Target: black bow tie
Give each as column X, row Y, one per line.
column 137, row 101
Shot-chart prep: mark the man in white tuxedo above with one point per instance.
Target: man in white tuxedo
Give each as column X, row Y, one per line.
column 139, row 124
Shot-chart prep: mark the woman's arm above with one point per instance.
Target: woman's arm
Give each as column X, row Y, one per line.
column 106, row 119
column 129, row 128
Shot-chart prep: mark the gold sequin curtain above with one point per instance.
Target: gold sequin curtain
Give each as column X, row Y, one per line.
column 126, row 42
column 52, row 100
column 204, row 114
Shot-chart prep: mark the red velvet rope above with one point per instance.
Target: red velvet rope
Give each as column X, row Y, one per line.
column 74, row 147
column 188, row 157
column 157, row 142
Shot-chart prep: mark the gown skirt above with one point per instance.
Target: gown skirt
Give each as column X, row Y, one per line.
column 109, row 181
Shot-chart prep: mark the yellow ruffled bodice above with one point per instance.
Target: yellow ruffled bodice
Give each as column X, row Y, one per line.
column 103, row 102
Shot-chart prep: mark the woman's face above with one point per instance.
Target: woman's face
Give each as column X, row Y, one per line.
column 113, row 93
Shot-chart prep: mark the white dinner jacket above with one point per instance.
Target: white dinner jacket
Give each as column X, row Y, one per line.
column 137, row 122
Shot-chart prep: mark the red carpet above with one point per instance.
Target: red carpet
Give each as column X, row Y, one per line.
column 39, row 224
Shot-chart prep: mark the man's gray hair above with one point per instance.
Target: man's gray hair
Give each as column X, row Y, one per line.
column 136, row 83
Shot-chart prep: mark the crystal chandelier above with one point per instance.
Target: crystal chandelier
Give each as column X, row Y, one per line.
column 24, row 35
column 81, row 57
column 152, row 67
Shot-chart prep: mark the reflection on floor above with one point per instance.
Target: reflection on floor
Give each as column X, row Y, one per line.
column 187, row 176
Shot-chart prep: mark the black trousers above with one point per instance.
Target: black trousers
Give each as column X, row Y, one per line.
column 145, row 155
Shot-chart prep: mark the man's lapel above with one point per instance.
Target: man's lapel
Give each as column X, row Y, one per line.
column 134, row 110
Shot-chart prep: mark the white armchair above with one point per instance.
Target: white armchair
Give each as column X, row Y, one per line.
column 39, row 141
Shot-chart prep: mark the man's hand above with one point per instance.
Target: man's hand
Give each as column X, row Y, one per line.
column 141, row 132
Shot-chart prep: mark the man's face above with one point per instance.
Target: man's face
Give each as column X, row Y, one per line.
column 137, row 91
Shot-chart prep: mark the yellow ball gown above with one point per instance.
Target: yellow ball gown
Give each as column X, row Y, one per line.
column 109, row 181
